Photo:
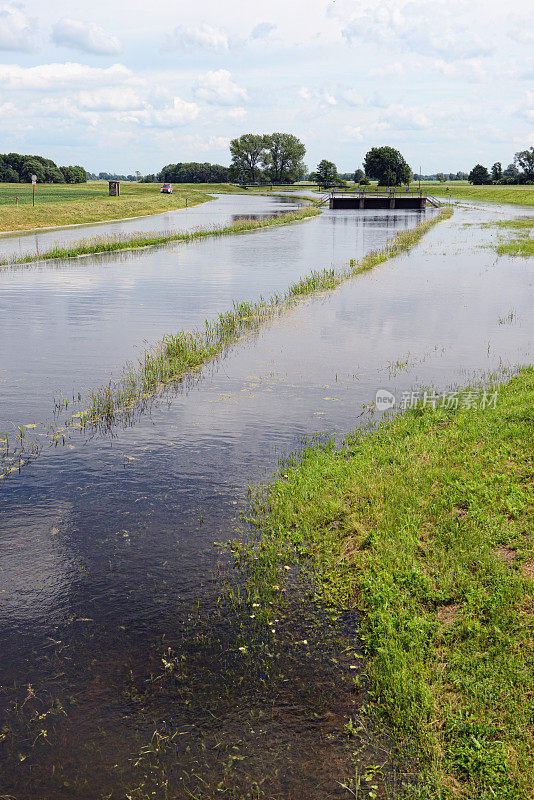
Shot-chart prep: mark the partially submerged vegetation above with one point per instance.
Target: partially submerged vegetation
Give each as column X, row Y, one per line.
column 181, row 353
column 109, row 244
column 523, row 243
column 426, row 525
column 177, row 354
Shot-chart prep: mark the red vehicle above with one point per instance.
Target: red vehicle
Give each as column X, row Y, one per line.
column 166, row 188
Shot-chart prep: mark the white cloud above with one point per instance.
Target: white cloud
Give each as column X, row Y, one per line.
column 445, row 28
column 394, row 69
column 203, row 37
column 322, row 97
column 87, row 37
column 352, row 97
column 180, row 112
column 237, row 113
column 352, row 133
column 262, row 30
column 403, row 117
column 49, row 77
column 16, row 29
column 110, row 98
column 217, row 86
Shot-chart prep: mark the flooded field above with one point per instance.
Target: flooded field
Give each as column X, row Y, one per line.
column 132, row 665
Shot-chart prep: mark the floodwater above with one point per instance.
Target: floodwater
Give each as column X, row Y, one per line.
column 225, row 210
column 122, row 673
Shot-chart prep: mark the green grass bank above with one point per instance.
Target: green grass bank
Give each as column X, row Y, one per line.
column 77, row 204
column 425, row 524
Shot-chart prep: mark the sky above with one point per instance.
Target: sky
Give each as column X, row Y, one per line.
column 120, row 87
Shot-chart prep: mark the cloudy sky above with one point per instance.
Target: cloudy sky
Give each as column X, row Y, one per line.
column 132, row 86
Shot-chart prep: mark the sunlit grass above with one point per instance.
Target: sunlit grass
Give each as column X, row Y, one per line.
column 425, row 524
column 76, row 204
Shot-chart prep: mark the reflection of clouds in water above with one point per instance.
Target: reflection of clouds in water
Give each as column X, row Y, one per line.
column 35, row 569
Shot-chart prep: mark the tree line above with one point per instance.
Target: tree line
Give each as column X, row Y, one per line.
column 190, row 172
column 520, row 171
column 17, row 168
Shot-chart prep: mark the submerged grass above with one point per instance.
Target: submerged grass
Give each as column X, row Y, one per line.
column 523, row 244
column 177, row 354
column 426, row 525
column 109, row 244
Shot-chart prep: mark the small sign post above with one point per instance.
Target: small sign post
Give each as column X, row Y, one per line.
column 34, row 181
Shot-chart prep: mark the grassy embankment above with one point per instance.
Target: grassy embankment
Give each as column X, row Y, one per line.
column 109, row 244
column 75, row 204
column 426, row 525
column 523, row 243
column 179, row 353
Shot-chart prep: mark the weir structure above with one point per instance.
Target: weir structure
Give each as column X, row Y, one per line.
column 379, row 197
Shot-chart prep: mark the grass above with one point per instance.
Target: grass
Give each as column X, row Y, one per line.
column 177, row 354
column 515, row 195
column 426, row 524
column 523, row 243
column 108, row 244
column 76, row 204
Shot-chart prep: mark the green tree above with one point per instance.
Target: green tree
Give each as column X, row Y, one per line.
column 511, row 172
column 248, row 152
column 326, row 173
column 479, row 176
column 31, row 166
column 496, row 171
column 359, row 175
column 283, row 158
column 525, row 159
column 387, row 166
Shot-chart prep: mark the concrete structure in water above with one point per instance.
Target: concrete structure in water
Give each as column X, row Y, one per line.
column 380, row 198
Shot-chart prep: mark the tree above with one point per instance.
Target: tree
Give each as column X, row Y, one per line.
column 283, row 158
column 31, row 166
column 525, row 159
column 387, row 166
column 479, row 176
column 248, row 152
column 326, row 173
column 441, row 177
column 511, row 172
column 496, row 171
column 359, row 175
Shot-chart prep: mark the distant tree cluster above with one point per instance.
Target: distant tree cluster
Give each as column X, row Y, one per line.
column 267, row 158
column 521, row 171
column 191, row 172
column 110, row 176
column 442, row 176
column 17, row 168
